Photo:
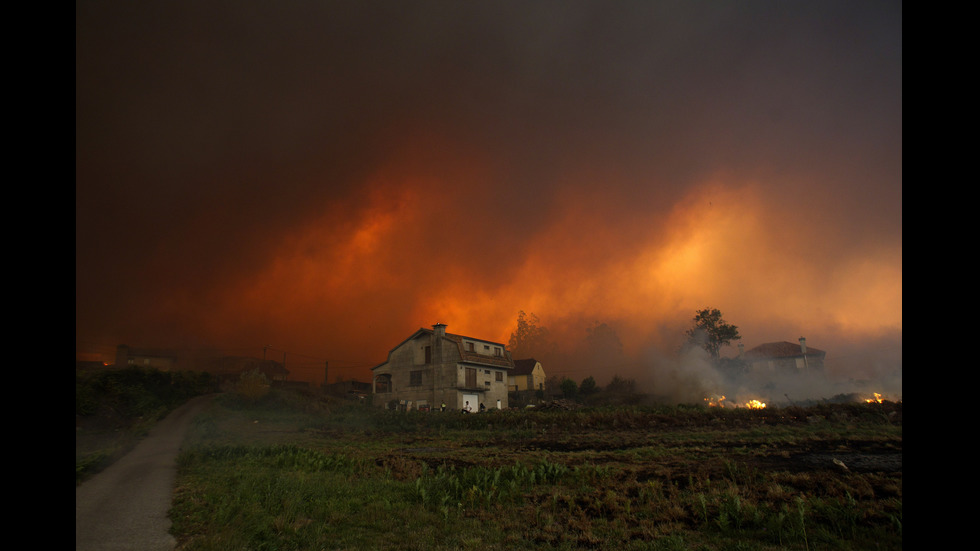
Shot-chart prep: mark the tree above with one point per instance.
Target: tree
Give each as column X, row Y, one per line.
column 588, row 386
column 569, row 389
column 621, row 391
column 530, row 339
column 711, row 332
column 619, row 385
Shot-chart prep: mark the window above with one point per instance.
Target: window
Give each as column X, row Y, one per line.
column 415, row 378
column 470, row 347
column 428, row 355
column 499, row 376
column 382, row 384
column 497, row 351
column 470, row 377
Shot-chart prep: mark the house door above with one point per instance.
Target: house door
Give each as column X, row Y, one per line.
column 473, row 402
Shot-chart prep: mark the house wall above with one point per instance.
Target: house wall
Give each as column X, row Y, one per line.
column 403, row 362
column 488, row 388
column 518, row 382
column 537, row 378
column 788, row 364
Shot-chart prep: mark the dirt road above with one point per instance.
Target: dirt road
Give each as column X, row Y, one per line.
column 125, row 507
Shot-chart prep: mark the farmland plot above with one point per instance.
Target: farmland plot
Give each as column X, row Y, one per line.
column 296, row 472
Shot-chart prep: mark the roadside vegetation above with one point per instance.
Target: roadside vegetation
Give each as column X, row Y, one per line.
column 295, row 470
column 115, row 408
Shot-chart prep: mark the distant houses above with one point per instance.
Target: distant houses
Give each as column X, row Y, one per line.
column 783, row 357
column 429, row 369
column 164, row 360
column 223, row 368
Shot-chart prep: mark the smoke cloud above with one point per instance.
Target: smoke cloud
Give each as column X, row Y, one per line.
column 324, row 178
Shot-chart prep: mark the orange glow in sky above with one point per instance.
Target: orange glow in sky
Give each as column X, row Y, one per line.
column 387, row 273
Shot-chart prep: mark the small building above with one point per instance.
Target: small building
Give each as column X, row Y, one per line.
column 223, row 368
column 432, row 367
column 783, row 357
column 527, row 375
column 163, row 360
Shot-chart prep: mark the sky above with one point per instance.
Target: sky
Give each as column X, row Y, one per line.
column 320, row 179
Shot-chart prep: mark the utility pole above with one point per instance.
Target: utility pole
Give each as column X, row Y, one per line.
column 803, row 351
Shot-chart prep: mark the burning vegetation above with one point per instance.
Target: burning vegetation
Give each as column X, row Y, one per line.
column 719, row 401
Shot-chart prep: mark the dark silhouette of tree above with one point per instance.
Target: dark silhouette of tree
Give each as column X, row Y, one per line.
column 530, row 339
column 711, row 332
column 621, row 391
column 620, row 385
column 588, row 386
column 569, row 389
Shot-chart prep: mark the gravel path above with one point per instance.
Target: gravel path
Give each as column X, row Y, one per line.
column 125, row 506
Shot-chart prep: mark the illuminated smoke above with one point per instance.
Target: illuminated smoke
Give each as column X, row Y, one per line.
column 281, row 175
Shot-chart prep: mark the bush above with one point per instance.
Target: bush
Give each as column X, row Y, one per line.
column 135, row 391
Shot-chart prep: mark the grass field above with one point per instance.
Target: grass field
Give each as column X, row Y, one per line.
column 294, row 471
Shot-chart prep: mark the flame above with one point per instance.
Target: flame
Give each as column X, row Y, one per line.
column 876, row 400
column 719, row 401
column 715, row 401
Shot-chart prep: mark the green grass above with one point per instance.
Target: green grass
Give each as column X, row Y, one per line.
column 294, row 471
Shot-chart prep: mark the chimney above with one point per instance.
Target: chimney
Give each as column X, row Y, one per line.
column 803, row 345
column 440, row 329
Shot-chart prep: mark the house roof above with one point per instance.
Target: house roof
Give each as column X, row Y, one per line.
column 524, row 367
column 473, row 357
column 467, row 356
column 780, row 350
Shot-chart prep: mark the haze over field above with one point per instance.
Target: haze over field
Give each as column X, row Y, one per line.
column 327, row 177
